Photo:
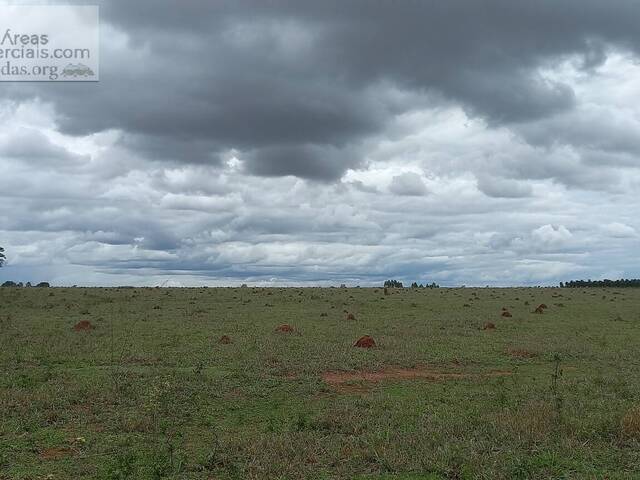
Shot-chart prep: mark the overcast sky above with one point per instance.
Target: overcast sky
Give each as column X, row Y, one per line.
column 336, row 141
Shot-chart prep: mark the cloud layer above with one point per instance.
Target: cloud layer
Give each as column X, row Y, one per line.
column 294, row 142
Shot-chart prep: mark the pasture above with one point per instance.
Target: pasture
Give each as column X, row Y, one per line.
column 147, row 388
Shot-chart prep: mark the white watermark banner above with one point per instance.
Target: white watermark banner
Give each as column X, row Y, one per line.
column 49, row 43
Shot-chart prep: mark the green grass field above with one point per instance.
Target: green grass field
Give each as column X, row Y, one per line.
column 150, row 393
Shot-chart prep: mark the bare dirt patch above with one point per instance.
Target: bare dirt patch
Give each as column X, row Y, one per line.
column 55, row 453
column 489, row 326
column 83, row 326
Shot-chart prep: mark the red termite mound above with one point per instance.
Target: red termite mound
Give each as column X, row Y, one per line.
column 506, row 313
column 365, row 342
column 285, row 328
column 224, row 340
column 489, row 326
column 83, row 326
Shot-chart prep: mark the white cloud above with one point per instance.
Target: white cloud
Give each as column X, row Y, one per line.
column 620, row 230
column 552, row 236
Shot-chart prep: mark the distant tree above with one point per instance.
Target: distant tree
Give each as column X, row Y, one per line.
column 393, row 284
column 414, row 285
column 2, row 256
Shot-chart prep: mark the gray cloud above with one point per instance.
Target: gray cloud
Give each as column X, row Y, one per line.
column 193, row 82
column 409, row 184
column 273, row 142
column 306, row 161
column 31, row 144
column 503, row 187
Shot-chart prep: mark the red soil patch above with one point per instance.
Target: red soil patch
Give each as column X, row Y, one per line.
column 520, row 353
column 224, row 340
column 285, row 328
column 54, row 453
column 351, row 316
column 489, row 326
column 506, row 313
column 83, row 326
column 339, row 379
column 365, row 342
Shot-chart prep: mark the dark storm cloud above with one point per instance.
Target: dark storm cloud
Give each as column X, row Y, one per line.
column 305, row 161
column 296, row 83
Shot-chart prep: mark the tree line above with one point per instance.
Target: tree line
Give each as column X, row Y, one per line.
column 622, row 283
column 10, row 284
column 398, row 284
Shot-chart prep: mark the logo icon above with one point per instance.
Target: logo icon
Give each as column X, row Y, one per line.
column 77, row 70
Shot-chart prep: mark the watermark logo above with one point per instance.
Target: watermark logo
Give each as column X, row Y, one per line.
column 49, row 43
column 79, row 70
